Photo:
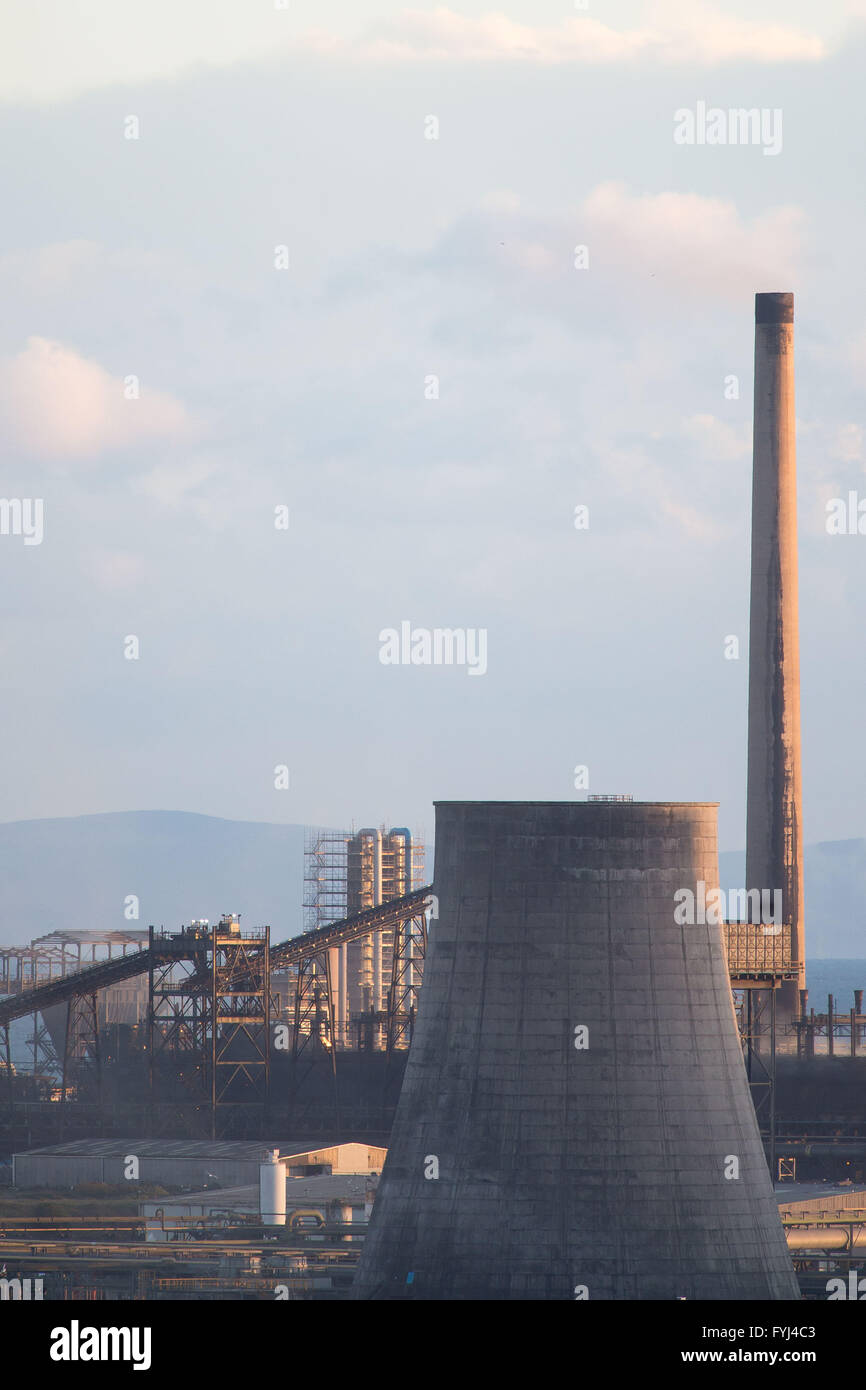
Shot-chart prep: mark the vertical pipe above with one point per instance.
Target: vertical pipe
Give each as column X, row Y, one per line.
column 774, row 858
column 774, row 1172
column 213, row 1031
column 7, row 1048
column 378, row 1001
column 267, row 1022
column 150, row 1032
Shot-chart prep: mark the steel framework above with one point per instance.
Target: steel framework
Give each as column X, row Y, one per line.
column 210, row 1012
column 179, row 1016
column 847, row 1028
column 81, row 1054
column 759, row 960
column 241, row 1013
column 407, row 972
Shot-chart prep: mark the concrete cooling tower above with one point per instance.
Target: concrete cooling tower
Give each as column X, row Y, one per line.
column 575, row 1120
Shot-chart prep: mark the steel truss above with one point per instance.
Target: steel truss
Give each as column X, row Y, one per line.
column 82, row 1060
column 407, row 970
column 756, row 1016
column 210, row 1012
column 241, row 1013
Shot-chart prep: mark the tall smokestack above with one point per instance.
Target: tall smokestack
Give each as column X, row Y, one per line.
column 774, row 828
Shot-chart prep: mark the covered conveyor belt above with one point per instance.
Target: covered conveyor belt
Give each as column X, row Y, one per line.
column 186, row 945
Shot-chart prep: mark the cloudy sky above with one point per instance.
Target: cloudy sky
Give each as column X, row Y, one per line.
column 167, row 381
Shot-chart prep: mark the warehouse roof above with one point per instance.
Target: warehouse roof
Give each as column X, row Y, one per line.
column 172, row 1148
column 790, row 1193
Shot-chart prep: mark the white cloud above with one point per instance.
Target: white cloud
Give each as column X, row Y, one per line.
column 717, row 439
column 115, row 569
column 64, row 265
column 60, row 48
column 830, row 462
column 55, row 404
column 677, row 33
column 532, row 256
column 849, row 443
column 691, row 246
column 853, row 356
column 698, row 526
column 170, row 484
column 692, row 241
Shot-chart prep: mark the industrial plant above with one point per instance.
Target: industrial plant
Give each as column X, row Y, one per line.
column 527, row 1076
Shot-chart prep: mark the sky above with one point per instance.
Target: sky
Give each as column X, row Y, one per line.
column 427, row 279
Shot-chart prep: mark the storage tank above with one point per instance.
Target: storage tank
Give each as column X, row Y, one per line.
column 575, row 1120
column 272, row 1189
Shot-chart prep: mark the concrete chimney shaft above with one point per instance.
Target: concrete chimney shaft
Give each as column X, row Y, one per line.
column 774, row 834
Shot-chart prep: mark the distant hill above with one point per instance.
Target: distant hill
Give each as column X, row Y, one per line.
column 835, row 887
column 75, row 873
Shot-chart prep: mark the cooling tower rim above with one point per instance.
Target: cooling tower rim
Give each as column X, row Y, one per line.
column 593, row 805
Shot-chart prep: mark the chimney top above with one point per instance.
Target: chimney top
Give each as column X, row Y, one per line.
column 777, row 307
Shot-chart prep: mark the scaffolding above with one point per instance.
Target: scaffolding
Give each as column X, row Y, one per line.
column 347, row 872
column 324, row 877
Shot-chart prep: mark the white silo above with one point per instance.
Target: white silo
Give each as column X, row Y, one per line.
column 272, row 1189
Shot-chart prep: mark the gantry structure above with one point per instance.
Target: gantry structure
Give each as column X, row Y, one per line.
column 214, row 1019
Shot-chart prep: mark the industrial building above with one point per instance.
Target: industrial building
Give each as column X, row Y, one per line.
column 291, row 1228
column 190, row 1164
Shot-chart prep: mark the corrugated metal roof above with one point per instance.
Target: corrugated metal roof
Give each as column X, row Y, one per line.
column 174, row 1148
column 790, row 1192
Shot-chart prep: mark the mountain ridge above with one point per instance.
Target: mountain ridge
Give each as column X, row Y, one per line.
column 77, row 872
